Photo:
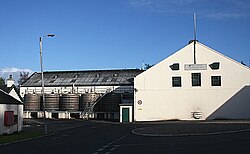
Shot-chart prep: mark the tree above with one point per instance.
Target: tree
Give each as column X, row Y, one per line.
column 147, row 66
column 2, row 81
column 23, row 77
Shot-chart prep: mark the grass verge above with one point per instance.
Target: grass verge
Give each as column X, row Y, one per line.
column 19, row 136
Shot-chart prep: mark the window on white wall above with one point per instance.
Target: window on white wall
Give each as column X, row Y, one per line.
column 216, row 80
column 176, row 81
column 9, row 118
column 196, row 79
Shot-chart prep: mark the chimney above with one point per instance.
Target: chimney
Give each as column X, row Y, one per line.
column 10, row 81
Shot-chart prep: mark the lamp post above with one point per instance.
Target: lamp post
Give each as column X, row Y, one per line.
column 41, row 63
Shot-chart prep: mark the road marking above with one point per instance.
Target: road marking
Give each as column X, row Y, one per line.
column 55, row 138
column 112, row 149
column 101, row 149
column 109, row 147
column 100, row 126
column 65, row 135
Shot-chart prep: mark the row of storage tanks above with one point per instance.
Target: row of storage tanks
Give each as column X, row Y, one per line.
column 72, row 102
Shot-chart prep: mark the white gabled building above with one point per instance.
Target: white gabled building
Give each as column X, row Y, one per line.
column 188, row 85
column 11, row 114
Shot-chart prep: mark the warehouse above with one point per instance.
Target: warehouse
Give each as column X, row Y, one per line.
column 79, row 94
column 196, row 82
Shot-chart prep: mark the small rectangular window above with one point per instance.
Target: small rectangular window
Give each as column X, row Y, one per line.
column 176, row 81
column 216, row 80
column 15, row 119
column 196, row 79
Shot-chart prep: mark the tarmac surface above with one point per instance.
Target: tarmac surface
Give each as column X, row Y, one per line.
column 103, row 137
column 192, row 128
column 157, row 129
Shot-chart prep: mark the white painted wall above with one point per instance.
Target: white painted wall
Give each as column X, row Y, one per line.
column 18, row 110
column 161, row 101
column 76, row 89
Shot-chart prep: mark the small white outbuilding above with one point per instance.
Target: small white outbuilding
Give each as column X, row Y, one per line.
column 196, row 82
column 11, row 114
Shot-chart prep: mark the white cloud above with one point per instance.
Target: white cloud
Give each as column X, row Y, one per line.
column 225, row 15
column 212, row 9
column 168, row 7
column 14, row 69
column 15, row 72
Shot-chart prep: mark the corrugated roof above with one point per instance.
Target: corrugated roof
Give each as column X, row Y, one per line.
column 83, row 78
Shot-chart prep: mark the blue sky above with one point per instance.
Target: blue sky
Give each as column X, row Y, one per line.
column 106, row 34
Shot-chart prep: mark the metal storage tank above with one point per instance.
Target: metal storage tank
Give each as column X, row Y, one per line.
column 109, row 103
column 32, row 102
column 69, row 102
column 88, row 99
column 51, row 102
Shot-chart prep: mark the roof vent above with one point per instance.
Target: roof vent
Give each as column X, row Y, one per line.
column 175, row 66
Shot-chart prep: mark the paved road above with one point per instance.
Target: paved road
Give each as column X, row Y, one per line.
column 95, row 137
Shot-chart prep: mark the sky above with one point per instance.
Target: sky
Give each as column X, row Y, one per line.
column 116, row 34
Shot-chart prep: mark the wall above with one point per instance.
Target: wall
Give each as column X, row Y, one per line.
column 161, row 101
column 18, row 110
column 76, row 89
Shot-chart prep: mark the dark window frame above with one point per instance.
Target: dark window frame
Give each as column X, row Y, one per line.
column 196, row 79
column 15, row 119
column 216, row 81
column 176, row 81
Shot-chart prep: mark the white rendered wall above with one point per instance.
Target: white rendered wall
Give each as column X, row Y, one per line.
column 18, row 110
column 76, row 89
column 161, row 101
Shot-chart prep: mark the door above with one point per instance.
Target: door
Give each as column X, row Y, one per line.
column 125, row 114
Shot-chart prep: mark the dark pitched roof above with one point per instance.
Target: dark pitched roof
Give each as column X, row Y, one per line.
column 83, row 78
column 8, row 89
column 7, row 99
column 5, row 88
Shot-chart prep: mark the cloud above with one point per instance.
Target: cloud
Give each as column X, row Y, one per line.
column 212, row 9
column 225, row 15
column 168, row 7
column 14, row 70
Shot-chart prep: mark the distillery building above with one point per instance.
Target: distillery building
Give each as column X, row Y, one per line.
column 79, row 94
column 196, row 82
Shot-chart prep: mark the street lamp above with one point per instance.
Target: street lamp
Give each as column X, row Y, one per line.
column 41, row 62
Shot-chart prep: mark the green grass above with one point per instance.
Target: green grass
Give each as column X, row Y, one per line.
column 19, row 136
